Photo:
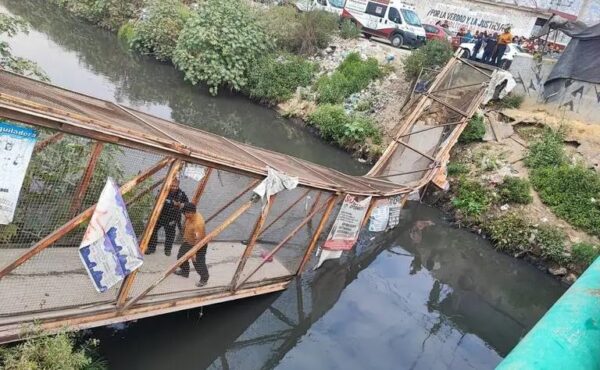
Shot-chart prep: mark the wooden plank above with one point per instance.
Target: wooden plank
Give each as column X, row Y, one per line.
column 84, row 184
column 279, row 246
column 260, row 222
column 202, row 244
column 236, row 197
column 79, row 219
column 284, row 212
column 201, row 186
column 149, row 230
column 313, row 243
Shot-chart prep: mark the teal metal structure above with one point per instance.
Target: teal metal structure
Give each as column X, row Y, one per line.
column 568, row 336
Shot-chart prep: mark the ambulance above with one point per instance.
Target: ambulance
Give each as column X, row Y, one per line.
column 393, row 20
column 332, row 6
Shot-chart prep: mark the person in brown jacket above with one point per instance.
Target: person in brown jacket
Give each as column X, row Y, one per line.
column 193, row 232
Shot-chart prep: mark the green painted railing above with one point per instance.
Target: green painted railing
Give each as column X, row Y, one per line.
column 568, row 336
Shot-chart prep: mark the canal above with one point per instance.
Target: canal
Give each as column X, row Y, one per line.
column 426, row 295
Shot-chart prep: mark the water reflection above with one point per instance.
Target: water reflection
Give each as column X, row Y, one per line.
column 83, row 58
column 446, row 301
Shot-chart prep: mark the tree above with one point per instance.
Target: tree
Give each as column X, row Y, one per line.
column 9, row 27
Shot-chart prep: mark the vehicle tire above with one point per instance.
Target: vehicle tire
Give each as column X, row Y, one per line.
column 397, row 40
column 466, row 54
column 367, row 35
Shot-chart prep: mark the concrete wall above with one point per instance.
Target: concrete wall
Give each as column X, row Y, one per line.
column 576, row 100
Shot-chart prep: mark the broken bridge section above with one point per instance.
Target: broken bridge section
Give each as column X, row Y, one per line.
column 253, row 247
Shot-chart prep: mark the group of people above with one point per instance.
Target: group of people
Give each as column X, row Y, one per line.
column 176, row 205
column 494, row 46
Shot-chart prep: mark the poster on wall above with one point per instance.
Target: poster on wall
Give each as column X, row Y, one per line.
column 380, row 216
column 109, row 249
column 346, row 227
column 16, row 148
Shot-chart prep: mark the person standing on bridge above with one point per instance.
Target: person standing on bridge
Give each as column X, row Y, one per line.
column 193, row 232
column 169, row 219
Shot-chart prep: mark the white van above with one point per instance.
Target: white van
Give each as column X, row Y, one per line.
column 332, row 6
column 393, row 20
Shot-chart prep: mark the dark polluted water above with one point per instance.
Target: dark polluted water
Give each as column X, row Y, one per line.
column 424, row 296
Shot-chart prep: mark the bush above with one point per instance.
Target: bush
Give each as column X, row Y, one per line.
column 302, row 33
column 336, row 125
column 50, row 352
column 348, row 30
column 157, row 32
column 111, row 14
column 351, row 76
column 433, row 55
column 9, row 27
column 548, row 151
column 275, row 79
column 475, row 130
column 510, row 232
column 551, row 242
column 515, row 190
column 512, row 101
column 457, row 168
column 220, row 44
column 585, row 253
column 572, row 192
column 126, row 33
column 471, row 197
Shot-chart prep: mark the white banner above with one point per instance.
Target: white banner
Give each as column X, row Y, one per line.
column 109, row 249
column 380, row 216
column 395, row 207
column 194, row 172
column 346, row 227
column 16, row 148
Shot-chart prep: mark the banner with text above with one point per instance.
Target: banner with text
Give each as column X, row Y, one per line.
column 16, row 147
column 346, row 227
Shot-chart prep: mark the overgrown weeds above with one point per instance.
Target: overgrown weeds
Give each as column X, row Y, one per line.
column 551, row 242
column 352, row 76
column 338, row 126
column 348, row 30
column 515, row 190
column 457, row 168
column 510, row 232
column 472, row 198
column 475, row 130
column 585, row 253
column 433, row 55
column 513, row 101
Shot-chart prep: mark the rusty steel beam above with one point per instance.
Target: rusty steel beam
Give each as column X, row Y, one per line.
column 284, row 212
column 84, row 184
column 48, row 141
column 201, row 186
column 236, row 197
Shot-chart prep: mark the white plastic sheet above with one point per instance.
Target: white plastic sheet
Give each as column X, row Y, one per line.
column 274, row 183
column 380, row 216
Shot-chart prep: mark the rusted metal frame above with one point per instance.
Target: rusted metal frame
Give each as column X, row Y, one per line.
column 48, row 141
column 480, row 70
column 331, row 202
column 236, row 197
column 255, row 157
column 430, row 128
column 202, row 244
column 279, row 246
column 457, row 87
column 449, row 106
column 314, row 205
column 284, row 212
column 312, row 171
column 149, row 230
column 201, row 186
column 79, row 219
column 144, row 192
column 151, row 125
column 84, row 184
column 260, row 222
column 372, row 205
column 407, row 172
column 281, row 317
column 415, row 150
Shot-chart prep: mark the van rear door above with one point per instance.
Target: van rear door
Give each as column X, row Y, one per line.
column 375, row 14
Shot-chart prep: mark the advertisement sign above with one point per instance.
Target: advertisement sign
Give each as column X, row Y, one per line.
column 380, row 216
column 465, row 17
column 346, row 227
column 109, row 249
column 16, row 148
column 395, row 207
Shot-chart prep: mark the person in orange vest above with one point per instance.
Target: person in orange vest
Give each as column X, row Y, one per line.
column 193, row 232
column 503, row 40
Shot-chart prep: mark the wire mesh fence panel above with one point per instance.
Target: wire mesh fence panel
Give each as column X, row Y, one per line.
column 55, row 190
column 216, row 263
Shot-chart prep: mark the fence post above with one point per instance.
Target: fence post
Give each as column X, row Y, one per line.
column 84, row 184
column 158, row 206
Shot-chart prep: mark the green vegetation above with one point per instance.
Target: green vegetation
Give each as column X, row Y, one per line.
column 551, row 242
column 51, row 352
column 434, row 54
column 275, row 79
column 9, row 27
column 348, row 30
column 571, row 191
column 472, row 198
column 126, row 33
column 336, row 125
column 512, row 101
column 510, row 232
column 157, row 32
column 585, row 253
column 111, row 14
column 299, row 32
column 220, row 44
column 457, row 168
column 515, row 190
column 352, row 76
column 475, row 130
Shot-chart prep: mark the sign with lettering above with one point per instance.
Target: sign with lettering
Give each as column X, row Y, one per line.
column 345, row 230
column 16, row 148
column 380, row 216
column 464, row 17
column 109, row 249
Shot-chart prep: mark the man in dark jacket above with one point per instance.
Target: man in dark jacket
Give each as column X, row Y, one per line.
column 490, row 48
column 479, row 40
column 169, row 219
